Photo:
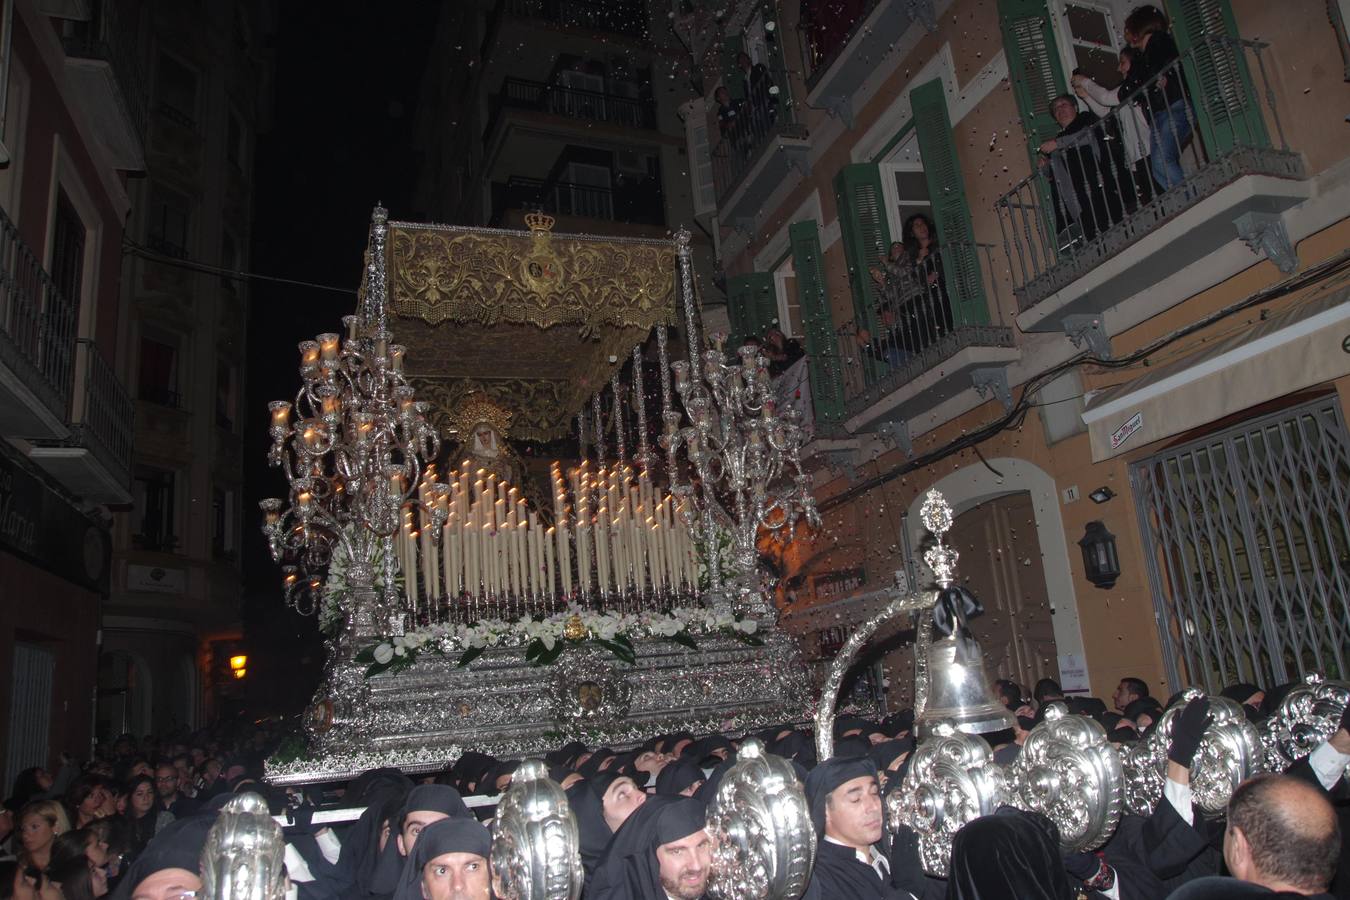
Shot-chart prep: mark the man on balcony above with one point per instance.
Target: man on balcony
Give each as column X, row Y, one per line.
column 1083, row 170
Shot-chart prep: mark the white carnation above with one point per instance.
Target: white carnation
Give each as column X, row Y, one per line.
column 383, row 653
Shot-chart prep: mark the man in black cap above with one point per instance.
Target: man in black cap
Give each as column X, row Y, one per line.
column 619, row 797
column 662, row 852
column 450, row 862
column 845, row 800
column 427, row 804
column 170, row 866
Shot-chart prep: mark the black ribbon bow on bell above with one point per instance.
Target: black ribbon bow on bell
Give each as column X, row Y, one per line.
column 955, row 607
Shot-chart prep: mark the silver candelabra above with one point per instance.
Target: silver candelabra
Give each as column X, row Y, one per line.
column 744, row 472
column 353, row 446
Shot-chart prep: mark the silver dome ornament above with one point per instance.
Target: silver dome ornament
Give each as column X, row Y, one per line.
column 1069, row 772
column 763, row 841
column 1309, row 715
column 536, row 847
column 1229, row 754
column 952, row 780
column 244, row 857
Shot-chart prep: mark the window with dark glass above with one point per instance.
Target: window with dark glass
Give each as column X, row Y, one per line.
column 153, row 513
column 68, row 237
column 176, row 91
column 169, row 217
column 225, row 395
column 158, row 382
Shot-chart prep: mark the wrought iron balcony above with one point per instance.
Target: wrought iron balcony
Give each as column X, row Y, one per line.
column 842, row 40
column 628, row 17
column 1104, row 189
column 103, row 64
column 574, row 103
column 37, row 343
column 95, row 462
column 933, row 329
column 757, row 146
column 634, row 206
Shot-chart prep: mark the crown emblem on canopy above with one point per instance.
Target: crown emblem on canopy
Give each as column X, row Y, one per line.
column 539, row 221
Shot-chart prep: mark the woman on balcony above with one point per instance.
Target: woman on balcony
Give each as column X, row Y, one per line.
column 933, row 307
column 1154, row 82
column 1136, row 184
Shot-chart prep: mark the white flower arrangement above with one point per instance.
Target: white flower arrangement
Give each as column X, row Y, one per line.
column 545, row 638
column 336, row 588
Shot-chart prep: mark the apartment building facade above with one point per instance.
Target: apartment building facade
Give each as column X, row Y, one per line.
column 573, row 107
column 1130, row 381
column 172, row 617
column 73, row 127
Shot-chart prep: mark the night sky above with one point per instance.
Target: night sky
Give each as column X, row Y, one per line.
column 346, row 82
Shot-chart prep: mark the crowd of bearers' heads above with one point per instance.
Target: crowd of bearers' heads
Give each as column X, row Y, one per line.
column 1046, row 690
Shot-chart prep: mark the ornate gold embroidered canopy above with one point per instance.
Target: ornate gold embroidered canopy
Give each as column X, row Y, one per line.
column 530, row 319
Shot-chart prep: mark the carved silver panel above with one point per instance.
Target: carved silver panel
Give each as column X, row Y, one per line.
column 244, row 857
column 1069, row 772
column 952, row 780
column 764, row 843
column 1309, row 715
column 536, row 848
column 1229, row 754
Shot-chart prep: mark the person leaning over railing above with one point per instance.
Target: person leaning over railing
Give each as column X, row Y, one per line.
column 1137, row 184
column 1163, row 96
column 1079, row 162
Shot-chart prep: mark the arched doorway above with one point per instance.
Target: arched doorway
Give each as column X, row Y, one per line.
column 968, row 488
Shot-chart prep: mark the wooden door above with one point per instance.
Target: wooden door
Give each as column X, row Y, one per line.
column 1001, row 565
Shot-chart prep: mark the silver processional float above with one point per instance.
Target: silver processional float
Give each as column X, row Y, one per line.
column 357, row 463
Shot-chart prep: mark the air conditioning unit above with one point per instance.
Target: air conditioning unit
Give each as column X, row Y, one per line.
column 632, row 163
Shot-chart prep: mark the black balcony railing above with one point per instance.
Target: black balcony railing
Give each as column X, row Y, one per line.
column 825, row 29
column 924, row 316
column 574, row 103
column 627, row 17
column 37, row 322
column 112, row 37
column 106, row 422
column 745, row 131
column 1203, row 122
column 638, row 205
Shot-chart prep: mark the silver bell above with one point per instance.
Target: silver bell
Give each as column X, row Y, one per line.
column 959, row 692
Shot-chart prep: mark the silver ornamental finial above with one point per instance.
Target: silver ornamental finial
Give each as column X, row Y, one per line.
column 936, row 514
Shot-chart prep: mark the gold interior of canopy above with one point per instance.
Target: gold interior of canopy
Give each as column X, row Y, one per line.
column 530, row 319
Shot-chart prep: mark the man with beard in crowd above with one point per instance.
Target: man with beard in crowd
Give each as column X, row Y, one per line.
column 662, row 852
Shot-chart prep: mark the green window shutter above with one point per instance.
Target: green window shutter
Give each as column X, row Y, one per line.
column 738, row 303
column 866, row 233
column 1219, row 84
column 827, row 385
column 1033, row 66
column 951, row 212
column 752, row 306
column 731, row 77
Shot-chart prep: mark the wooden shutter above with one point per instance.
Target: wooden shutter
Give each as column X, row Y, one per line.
column 732, row 79
column 827, row 386
column 866, row 233
column 1219, row 84
column 1033, row 66
column 951, row 212
column 752, row 305
column 701, row 184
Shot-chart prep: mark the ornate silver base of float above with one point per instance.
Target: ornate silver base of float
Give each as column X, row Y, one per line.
column 423, row 718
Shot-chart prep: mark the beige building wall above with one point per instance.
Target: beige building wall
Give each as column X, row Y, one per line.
column 1116, row 627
